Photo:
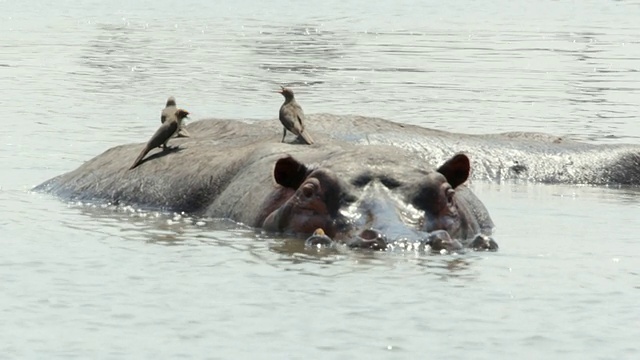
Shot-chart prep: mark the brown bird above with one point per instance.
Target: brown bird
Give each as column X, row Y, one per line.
column 169, row 110
column 169, row 127
column 292, row 117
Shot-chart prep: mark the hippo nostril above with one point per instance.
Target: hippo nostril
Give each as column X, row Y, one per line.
column 369, row 239
column 440, row 239
column 370, row 234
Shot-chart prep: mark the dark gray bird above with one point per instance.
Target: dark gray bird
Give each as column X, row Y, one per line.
column 292, row 117
column 169, row 110
column 169, row 127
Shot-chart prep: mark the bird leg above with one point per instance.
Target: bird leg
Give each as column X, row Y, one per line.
column 166, row 147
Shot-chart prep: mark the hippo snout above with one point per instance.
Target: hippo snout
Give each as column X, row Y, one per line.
column 376, row 240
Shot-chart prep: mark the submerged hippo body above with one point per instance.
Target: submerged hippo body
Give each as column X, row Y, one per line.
column 234, row 170
column 364, row 177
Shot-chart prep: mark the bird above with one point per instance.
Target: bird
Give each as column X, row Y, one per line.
column 292, row 117
column 170, row 109
column 169, row 127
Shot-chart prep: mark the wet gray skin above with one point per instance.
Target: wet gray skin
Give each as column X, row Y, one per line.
column 383, row 217
column 380, row 218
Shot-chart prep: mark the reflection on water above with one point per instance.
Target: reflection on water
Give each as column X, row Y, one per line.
column 173, row 229
column 158, row 227
column 121, row 56
column 305, row 50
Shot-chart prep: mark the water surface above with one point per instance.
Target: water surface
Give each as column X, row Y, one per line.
column 84, row 282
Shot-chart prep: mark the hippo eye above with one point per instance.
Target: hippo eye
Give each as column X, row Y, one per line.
column 449, row 193
column 308, row 190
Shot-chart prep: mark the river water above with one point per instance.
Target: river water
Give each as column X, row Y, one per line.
column 83, row 282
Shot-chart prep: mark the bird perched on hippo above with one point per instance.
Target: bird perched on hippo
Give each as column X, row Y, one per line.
column 171, row 126
column 292, row 117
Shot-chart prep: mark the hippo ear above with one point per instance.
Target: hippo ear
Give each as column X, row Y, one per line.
column 456, row 170
column 289, row 172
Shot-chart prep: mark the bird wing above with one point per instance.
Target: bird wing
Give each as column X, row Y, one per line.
column 300, row 115
column 299, row 124
column 167, row 112
column 288, row 118
column 164, row 132
column 295, row 117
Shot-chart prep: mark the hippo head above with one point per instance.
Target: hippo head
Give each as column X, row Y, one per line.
column 370, row 204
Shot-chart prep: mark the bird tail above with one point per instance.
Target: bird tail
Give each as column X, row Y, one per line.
column 306, row 137
column 139, row 158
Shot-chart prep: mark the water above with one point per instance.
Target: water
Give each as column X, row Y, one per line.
column 85, row 282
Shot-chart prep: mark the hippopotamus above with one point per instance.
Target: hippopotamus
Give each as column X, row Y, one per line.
column 233, row 169
column 364, row 181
